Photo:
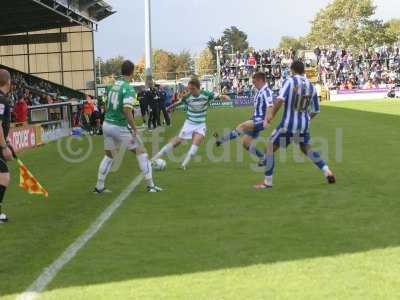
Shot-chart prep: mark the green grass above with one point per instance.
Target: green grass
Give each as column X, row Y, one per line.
column 210, row 235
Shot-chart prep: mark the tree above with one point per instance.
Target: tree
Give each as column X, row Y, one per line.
column 205, row 63
column 288, row 42
column 348, row 23
column 393, row 28
column 211, row 44
column 111, row 66
column 139, row 69
column 232, row 39
column 183, row 62
column 164, row 64
column 167, row 65
column 235, row 39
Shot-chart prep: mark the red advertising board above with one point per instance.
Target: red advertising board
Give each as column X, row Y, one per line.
column 22, row 138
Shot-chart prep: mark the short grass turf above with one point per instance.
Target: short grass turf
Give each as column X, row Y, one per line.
column 210, row 235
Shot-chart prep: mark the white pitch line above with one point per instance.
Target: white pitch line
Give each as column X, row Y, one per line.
column 49, row 273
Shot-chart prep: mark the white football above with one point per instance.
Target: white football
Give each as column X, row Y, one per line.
column 159, row 164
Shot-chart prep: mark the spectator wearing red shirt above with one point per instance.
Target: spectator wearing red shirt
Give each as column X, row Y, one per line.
column 21, row 111
column 252, row 60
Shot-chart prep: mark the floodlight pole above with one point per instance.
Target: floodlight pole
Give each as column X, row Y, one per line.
column 148, row 48
column 218, row 49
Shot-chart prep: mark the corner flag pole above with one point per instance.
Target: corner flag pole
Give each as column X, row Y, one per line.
column 148, row 47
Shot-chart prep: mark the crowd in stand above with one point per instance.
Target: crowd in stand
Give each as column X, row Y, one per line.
column 336, row 68
column 346, row 70
column 237, row 69
column 29, row 91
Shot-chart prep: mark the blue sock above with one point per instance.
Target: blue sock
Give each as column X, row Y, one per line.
column 254, row 151
column 316, row 159
column 270, row 164
column 234, row 134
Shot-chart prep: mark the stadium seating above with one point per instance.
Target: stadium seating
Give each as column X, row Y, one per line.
column 35, row 91
column 337, row 68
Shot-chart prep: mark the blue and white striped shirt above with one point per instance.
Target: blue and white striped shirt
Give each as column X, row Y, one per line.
column 262, row 100
column 300, row 97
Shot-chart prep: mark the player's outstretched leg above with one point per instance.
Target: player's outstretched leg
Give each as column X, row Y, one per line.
column 196, row 141
column 252, row 149
column 319, row 162
column 175, row 142
column 234, row 134
column 104, row 169
column 191, row 153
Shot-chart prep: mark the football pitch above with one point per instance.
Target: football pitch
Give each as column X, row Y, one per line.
column 209, row 235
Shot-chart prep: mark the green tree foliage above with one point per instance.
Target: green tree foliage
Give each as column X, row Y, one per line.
column 205, row 63
column 183, row 62
column 235, row 39
column 111, row 66
column 393, row 27
column 288, row 42
column 349, row 23
column 232, row 39
column 211, row 44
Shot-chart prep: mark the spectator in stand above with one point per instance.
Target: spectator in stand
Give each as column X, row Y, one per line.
column 370, row 68
column 337, row 68
column 237, row 71
column 88, row 109
column 21, row 110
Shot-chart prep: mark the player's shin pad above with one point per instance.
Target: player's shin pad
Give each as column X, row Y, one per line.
column 270, row 164
column 254, row 151
column 316, row 159
column 145, row 166
column 234, row 134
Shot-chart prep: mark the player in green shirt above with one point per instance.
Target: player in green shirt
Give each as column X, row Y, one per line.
column 194, row 128
column 117, row 134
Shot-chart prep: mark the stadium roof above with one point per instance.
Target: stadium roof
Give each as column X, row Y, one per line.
column 18, row 16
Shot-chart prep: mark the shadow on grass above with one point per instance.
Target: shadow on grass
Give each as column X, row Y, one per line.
column 210, row 219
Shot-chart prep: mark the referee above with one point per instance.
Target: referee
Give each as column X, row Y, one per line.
column 5, row 152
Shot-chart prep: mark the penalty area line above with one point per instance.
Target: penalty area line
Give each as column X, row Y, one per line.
column 49, row 273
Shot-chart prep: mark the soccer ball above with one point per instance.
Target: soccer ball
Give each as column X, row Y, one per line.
column 159, row 164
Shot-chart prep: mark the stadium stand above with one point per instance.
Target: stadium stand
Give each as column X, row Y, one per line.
column 337, row 68
column 48, row 48
column 371, row 68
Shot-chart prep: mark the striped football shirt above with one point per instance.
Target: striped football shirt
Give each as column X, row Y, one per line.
column 197, row 106
column 300, row 98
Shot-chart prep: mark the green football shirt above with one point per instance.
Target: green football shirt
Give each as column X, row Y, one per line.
column 197, row 106
column 121, row 95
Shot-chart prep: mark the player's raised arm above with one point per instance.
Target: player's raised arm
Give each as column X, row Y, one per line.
column 173, row 105
column 177, row 103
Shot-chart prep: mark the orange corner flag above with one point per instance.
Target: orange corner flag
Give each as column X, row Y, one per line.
column 28, row 182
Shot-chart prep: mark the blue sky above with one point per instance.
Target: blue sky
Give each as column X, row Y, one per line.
column 188, row 24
